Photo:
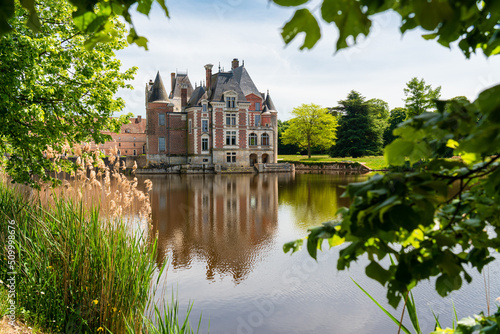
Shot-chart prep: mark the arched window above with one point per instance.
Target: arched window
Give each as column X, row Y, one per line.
column 252, row 139
column 265, row 139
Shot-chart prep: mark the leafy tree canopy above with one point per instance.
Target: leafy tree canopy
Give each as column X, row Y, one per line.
column 361, row 126
column 95, row 18
column 398, row 116
column 54, row 92
column 282, row 148
column 420, row 97
column 311, row 127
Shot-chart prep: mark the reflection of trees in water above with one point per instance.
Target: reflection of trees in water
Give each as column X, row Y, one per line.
column 226, row 220
column 315, row 197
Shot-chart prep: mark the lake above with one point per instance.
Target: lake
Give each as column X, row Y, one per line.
column 222, row 236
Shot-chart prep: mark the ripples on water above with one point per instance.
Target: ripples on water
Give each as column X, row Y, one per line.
column 223, row 237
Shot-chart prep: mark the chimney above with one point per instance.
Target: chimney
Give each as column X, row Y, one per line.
column 235, row 63
column 208, row 69
column 184, row 94
column 172, row 82
column 139, row 118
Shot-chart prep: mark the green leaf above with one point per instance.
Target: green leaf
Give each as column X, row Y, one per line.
column 144, row 6
column 489, row 100
column 293, row 246
column 375, row 271
column 163, row 6
column 348, row 17
column 396, row 152
column 33, row 20
column 446, row 284
column 302, row 21
column 139, row 40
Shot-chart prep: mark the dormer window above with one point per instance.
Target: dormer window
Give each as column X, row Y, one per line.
column 257, row 106
column 230, row 102
column 231, row 99
column 205, row 107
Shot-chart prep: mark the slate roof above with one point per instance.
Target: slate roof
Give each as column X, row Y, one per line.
column 179, row 80
column 196, row 97
column 222, row 82
column 246, row 84
column 269, row 102
column 158, row 92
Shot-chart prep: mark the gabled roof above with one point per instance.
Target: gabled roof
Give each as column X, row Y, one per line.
column 158, row 92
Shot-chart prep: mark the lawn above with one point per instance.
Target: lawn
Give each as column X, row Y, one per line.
column 377, row 162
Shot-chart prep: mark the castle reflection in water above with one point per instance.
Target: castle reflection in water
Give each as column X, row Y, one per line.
column 223, row 220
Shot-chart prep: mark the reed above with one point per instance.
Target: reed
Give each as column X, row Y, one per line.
column 75, row 272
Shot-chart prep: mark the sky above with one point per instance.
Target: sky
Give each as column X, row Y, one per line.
column 216, row 31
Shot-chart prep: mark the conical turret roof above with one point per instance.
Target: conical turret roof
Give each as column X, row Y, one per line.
column 269, row 102
column 158, row 92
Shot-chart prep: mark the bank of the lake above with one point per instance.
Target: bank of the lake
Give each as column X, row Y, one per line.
column 375, row 163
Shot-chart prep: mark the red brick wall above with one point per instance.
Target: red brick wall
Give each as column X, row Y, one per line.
column 265, row 119
column 242, row 138
column 124, row 141
column 219, row 132
column 252, row 98
column 176, row 139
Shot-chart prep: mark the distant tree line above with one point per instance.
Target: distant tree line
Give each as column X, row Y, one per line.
column 363, row 127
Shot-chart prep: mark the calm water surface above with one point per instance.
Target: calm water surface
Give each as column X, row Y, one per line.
column 222, row 236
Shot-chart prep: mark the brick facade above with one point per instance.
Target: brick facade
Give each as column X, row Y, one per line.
column 229, row 104
column 129, row 142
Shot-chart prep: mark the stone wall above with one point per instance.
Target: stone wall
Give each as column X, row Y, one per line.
column 342, row 166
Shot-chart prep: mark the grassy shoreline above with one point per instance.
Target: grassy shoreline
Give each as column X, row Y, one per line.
column 375, row 163
column 75, row 271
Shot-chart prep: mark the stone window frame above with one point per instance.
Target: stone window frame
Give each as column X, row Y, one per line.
column 253, row 139
column 231, row 157
column 160, row 144
column 265, row 139
column 204, row 139
column 231, row 138
column 231, row 100
column 203, row 127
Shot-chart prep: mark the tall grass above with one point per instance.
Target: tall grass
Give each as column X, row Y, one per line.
column 85, row 257
column 76, row 273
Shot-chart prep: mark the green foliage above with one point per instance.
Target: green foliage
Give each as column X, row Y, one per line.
column 360, row 126
column 439, row 218
column 478, row 324
column 311, row 127
column 398, row 116
column 420, row 97
column 167, row 322
column 54, row 92
column 282, row 148
column 473, row 24
column 96, row 19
